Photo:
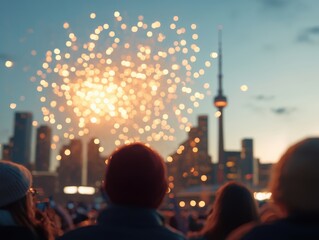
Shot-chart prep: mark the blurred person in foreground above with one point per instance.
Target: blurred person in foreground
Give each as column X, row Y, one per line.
column 135, row 183
column 295, row 189
column 268, row 213
column 17, row 209
column 233, row 207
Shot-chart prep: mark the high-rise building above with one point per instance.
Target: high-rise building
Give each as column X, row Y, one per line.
column 202, row 134
column 264, row 174
column 247, row 161
column 232, row 166
column 43, row 148
column 22, row 138
column 70, row 169
column 191, row 165
column 220, row 103
column 7, row 150
column 95, row 164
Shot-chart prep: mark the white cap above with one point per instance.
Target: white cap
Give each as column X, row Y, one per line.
column 15, row 181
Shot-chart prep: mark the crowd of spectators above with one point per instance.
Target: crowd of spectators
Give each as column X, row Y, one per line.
column 135, row 185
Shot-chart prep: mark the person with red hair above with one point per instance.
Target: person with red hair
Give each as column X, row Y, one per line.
column 135, row 184
column 295, row 190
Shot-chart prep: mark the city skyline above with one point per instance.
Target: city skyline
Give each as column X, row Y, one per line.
column 188, row 168
column 268, row 50
column 87, row 157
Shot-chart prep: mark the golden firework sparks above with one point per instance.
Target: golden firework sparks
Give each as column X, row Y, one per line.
column 134, row 80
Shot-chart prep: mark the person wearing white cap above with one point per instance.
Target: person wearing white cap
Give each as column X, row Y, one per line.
column 17, row 214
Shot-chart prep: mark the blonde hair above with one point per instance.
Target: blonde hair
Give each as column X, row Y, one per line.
column 295, row 179
column 23, row 213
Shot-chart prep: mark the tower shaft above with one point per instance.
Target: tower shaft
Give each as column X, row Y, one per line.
column 220, row 102
column 221, row 155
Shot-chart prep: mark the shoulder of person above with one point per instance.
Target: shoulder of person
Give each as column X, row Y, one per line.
column 274, row 230
column 16, row 232
column 196, row 238
column 80, row 233
column 98, row 232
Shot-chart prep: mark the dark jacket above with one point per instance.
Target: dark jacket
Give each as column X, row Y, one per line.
column 117, row 223
column 9, row 230
column 15, row 233
column 299, row 227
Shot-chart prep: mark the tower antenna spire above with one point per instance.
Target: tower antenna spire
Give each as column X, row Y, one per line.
column 220, row 61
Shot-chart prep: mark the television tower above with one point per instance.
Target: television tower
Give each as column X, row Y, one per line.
column 220, row 102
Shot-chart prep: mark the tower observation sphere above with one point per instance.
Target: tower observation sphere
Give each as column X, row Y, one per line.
column 220, row 101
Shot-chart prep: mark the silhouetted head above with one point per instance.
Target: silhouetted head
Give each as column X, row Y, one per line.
column 295, row 180
column 234, row 206
column 136, row 176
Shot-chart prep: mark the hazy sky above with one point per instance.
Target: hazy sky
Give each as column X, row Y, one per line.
column 269, row 45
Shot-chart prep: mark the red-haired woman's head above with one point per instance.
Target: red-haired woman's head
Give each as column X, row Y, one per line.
column 295, row 179
column 136, row 176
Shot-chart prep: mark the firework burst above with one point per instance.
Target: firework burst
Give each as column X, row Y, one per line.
column 134, row 81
